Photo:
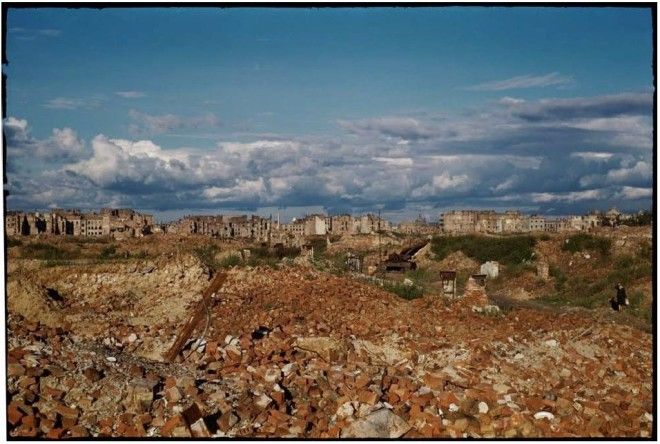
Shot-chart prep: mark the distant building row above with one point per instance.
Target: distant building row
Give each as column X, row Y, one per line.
column 472, row 221
column 265, row 229
column 108, row 222
column 319, row 224
column 222, row 226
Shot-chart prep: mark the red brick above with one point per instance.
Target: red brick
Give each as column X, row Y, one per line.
column 14, row 415
column 57, row 433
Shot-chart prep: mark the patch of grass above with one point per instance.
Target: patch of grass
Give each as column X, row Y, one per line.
column 47, row 252
column 407, row 292
column 108, row 252
column 515, row 270
column 206, row 255
column 320, row 244
column 583, row 242
column 645, row 250
column 88, row 240
column 560, row 277
column 10, row 242
column 229, row 261
column 584, row 291
column 506, row 250
column 419, row 275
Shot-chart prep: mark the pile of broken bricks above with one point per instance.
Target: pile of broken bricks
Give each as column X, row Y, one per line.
column 294, row 352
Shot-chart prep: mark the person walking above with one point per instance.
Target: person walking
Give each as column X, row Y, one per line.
column 621, row 299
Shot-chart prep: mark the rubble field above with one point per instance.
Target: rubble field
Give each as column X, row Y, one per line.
column 292, row 352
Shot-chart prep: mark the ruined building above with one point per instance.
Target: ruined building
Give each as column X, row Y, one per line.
column 109, row 222
column 476, row 221
column 225, row 227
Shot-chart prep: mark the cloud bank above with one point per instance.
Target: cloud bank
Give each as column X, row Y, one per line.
column 554, row 156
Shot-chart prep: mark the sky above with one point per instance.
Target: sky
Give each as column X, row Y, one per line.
column 409, row 111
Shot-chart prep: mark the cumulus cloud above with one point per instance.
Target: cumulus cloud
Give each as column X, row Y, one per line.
column 569, row 159
column 148, row 124
column 63, row 144
column 633, row 193
column 524, row 81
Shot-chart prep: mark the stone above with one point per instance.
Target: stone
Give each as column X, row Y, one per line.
column 15, row 370
column 483, row 408
column 327, row 348
column 345, row 410
column 551, row 343
column 379, row 424
column 544, row 415
column 227, row 421
column 263, row 401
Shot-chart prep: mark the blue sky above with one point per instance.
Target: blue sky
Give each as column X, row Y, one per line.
column 412, row 110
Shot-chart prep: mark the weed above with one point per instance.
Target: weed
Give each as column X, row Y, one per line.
column 507, row 250
column 108, row 252
column 9, row 242
column 206, row 255
column 229, row 261
column 582, row 241
column 47, row 252
column 407, row 292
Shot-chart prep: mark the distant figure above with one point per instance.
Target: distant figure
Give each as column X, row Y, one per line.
column 620, row 299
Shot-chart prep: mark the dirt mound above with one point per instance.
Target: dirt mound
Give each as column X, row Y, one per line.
column 458, row 261
column 35, row 302
column 143, row 298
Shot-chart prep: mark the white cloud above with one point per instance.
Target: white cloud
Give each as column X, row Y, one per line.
column 396, row 161
column 592, row 156
column 72, row 103
column 641, row 170
column 633, row 193
column 130, row 94
column 159, row 124
column 446, row 182
column 570, row 197
column 525, row 81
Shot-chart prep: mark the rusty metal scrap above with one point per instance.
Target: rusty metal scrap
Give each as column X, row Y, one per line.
column 200, row 311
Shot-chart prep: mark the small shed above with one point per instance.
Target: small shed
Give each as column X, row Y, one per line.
column 448, row 279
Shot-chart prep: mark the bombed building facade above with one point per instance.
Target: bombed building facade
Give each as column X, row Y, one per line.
column 489, row 221
column 224, row 227
column 108, row 222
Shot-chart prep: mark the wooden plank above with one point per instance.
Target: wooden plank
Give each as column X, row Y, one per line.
column 189, row 328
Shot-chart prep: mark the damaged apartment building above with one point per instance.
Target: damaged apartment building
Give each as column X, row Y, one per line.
column 475, row 221
column 117, row 223
column 224, row 227
column 266, row 230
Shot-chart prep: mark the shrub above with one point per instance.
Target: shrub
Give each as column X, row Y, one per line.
column 47, row 252
column 206, row 255
column 10, row 242
column 407, row 292
column 108, row 252
column 560, row 277
column 229, row 261
column 507, row 250
column 582, row 241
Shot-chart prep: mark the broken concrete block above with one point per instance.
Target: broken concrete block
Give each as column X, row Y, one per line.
column 379, row 424
column 490, row 269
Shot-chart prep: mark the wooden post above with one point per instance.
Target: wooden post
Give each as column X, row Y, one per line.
column 189, row 328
